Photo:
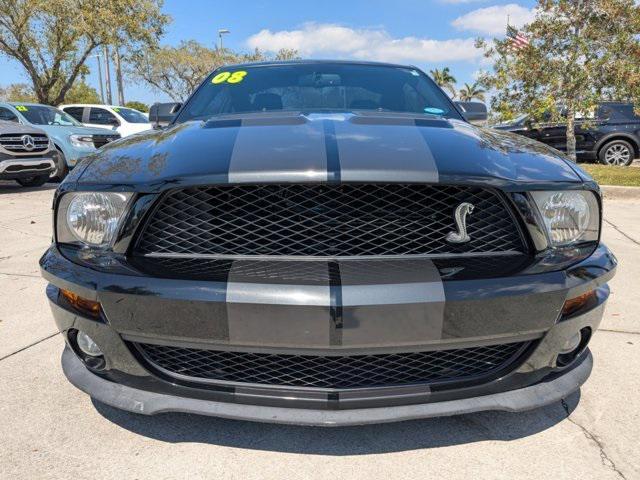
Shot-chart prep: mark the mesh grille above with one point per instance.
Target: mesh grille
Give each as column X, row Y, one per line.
column 101, row 140
column 355, row 371
column 326, row 220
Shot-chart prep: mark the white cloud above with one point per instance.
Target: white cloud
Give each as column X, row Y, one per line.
column 318, row 39
column 493, row 20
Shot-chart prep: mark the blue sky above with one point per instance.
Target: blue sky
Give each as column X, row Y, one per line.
column 426, row 33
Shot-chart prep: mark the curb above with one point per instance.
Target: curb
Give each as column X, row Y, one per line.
column 612, row 192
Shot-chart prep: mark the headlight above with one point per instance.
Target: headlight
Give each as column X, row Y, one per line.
column 570, row 217
column 91, row 218
column 81, row 141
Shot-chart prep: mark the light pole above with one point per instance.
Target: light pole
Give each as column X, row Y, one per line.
column 98, row 56
column 221, row 32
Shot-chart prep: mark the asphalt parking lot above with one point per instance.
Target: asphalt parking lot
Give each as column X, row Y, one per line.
column 48, row 429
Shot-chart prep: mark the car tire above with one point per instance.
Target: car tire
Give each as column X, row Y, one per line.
column 36, row 181
column 617, row 152
column 61, row 169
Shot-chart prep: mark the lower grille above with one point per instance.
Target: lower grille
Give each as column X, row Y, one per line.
column 333, row 372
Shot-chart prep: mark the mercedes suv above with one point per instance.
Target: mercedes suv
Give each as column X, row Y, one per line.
column 326, row 243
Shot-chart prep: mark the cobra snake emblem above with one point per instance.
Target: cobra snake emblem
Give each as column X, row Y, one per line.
column 460, row 217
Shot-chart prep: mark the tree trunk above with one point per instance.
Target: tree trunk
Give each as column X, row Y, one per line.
column 107, row 75
column 119, row 83
column 571, row 134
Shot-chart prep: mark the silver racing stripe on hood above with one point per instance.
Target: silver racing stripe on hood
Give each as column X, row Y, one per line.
column 391, row 150
column 279, row 151
column 333, row 148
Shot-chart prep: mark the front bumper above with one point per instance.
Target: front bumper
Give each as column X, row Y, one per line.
column 383, row 312
column 150, row 403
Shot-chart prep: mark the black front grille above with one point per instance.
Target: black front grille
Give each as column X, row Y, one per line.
column 102, row 140
column 354, row 371
column 15, row 143
column 327, row 220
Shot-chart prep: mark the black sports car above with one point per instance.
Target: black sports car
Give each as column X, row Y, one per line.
column 326, row 243
column 612, row 136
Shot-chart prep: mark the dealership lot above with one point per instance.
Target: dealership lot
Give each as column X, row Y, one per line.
column 48, row 429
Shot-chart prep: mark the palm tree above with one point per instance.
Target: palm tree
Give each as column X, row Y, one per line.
column 444, row 79
column 469, row 92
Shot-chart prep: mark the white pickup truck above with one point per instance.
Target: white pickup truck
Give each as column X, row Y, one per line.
column 25, row 154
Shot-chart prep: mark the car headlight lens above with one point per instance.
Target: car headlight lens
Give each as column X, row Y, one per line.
column 81, row 141
column 91, row 218
column 570, row 217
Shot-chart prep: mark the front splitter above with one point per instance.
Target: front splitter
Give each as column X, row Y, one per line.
column 150, row 403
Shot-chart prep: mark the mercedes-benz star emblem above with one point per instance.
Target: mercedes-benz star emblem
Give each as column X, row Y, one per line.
column 28, row 142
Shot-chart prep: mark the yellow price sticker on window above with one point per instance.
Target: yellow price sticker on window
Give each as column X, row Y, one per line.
column 22, row 108
column 229, row 77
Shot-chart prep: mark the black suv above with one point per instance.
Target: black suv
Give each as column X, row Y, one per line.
column 611, row 136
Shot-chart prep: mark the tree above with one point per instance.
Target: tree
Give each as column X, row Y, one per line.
column 445, row 80
column 177, row 71
column 141, row 107
column 469, row 92
column 287, row 54
column 17, row 92
column 579, row 52
column 81, row 92
column 52, row 39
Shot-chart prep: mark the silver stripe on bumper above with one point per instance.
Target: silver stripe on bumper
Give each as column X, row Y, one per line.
column 149, row 403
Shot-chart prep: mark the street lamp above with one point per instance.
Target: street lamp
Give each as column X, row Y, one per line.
column 222, row 31
column 98, row 56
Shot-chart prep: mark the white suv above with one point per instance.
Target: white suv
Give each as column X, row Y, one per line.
column 125, row 121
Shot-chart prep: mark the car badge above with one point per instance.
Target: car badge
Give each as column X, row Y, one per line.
column 28, row 142
column 460, row 217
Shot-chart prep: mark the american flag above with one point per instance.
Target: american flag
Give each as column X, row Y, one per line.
column 517, row 39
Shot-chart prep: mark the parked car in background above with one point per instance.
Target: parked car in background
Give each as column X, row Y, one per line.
column 125, row 121
column 25, row 154
column 71, row 139
column 611, row 135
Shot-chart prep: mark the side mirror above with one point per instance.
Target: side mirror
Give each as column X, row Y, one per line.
column 473, row 112
column 162, row 114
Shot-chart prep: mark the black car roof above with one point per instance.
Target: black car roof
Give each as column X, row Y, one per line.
column 320, row 62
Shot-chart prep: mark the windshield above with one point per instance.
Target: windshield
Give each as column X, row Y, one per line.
column 45, row 115
column 317, row 87
column 131, row 115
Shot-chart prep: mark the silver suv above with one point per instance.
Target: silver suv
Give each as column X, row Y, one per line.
column 25, row 154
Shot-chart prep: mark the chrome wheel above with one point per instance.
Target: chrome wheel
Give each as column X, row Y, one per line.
column 617, row 154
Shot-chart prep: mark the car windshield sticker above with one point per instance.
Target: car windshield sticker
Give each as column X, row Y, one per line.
column 116, row 109
column 22, row 108
column 229, row 77
column 434, row 111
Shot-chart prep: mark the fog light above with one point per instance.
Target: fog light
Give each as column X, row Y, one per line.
column 573, row 347
column 571, row 344
column 87, row 345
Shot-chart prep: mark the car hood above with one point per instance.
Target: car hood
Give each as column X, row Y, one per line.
column 73, row 130
column 17, row 128
column 290, row 147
